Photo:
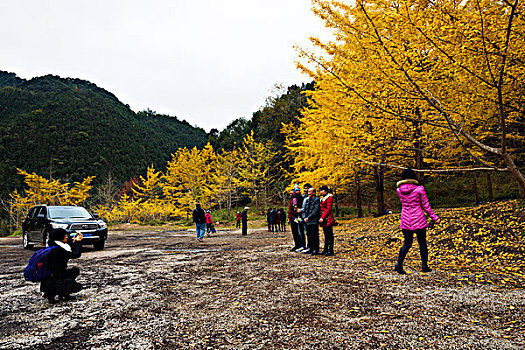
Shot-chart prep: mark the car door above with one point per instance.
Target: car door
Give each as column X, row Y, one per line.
column 40, row 223
column 28, row 224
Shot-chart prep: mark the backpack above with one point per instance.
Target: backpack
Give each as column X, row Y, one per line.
column 36, row 269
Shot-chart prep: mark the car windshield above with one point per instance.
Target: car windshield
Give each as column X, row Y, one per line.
column 68, row 213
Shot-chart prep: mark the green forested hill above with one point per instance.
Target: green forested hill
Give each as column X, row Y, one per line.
column 71, row 129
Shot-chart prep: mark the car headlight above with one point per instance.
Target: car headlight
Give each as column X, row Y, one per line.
column 102, row 224
column 57, row 225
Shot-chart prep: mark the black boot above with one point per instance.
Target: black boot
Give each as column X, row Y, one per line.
column 50, row 298
column 330, row 251
column 399, row 269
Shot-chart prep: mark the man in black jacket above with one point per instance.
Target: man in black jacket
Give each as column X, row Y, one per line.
column 62, row 282
column 199, row 218
column 244, row 220
column 311, row 211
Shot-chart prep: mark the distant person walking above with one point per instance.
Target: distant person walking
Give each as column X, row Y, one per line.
column 238, row 219
column 62, row 281
column 414, row 204
column 244, row 219
column 209, row 223
column 199, row 218
column 327, row 220
column 311, row 213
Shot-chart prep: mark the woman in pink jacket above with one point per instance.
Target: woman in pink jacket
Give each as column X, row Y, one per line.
column 209, row 223
column 414, row 204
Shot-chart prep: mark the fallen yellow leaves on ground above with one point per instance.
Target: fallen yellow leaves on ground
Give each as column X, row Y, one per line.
column 483, row 244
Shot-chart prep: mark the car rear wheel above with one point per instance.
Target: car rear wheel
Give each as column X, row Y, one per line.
column 99, row 245
column 25, row 241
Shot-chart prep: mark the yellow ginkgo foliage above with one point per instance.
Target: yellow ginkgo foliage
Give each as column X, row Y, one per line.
column 437, row 83
column 51, row 192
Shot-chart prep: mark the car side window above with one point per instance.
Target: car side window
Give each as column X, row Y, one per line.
column 32, row 213
column 43, row 211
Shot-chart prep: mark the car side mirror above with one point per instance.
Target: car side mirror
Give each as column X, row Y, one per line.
column 95, row 216
column 41, row 216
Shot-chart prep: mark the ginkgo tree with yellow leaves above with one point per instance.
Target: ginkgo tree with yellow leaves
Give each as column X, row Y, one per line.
column 43, row 191
column 446, row 76
column 195, row 175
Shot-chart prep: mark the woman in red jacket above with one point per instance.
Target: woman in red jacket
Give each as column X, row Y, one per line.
column 327, row 220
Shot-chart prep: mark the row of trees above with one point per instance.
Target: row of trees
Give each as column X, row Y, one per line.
column 434, row 85
column 192, row 175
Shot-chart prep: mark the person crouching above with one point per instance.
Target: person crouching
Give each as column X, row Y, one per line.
column 62, row 281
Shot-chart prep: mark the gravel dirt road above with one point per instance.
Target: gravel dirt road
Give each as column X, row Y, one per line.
column 160, row 289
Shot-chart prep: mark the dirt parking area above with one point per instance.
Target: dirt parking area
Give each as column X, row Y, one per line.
column 161, row 289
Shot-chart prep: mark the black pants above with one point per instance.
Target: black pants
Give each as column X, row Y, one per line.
column 312, row 230
column 238, row 224
column 296, row 235
column 62, row 285
column 244, row 228
column 301, row 229
column 421, row 235
column 208, row 228
column 328, row 238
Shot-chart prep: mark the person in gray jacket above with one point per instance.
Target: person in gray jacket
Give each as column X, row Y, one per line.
column 311, row 211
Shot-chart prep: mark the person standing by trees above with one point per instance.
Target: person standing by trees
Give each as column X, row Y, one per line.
column 414, row 204
column 311, row 211
column 244, row 219
column 282, row 220
column 277, row 226
column 199, row 218
column 273, row 220
column 238, row 219
column 327, row 220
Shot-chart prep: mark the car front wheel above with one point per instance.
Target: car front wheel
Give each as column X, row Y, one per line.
column 99, row 245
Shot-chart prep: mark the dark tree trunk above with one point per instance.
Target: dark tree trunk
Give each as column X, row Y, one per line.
column 369, row 200
column 336, row 203
column 358, row 200
column 476, row 189
column 418, row 147
column 489, row 187
column 434, row 189
column 380, row 190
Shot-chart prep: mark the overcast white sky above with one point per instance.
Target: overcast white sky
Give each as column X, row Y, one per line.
column 205, row 61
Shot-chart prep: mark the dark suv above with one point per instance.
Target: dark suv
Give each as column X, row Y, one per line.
column 42, row 219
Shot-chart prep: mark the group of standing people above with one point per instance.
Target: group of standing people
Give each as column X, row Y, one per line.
column 276, row 219
column 306, row 213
